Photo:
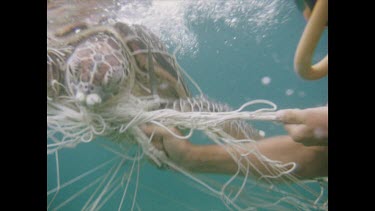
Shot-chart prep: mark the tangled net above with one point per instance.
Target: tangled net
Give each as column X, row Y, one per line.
column 119, row 119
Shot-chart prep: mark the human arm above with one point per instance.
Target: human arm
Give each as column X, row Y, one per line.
column 311, row 161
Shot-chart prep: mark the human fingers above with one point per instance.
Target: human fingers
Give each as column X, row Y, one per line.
column 162, row 137
column 290, row 116
column 306, row 135
column 155, row 134
column 149, row 129
column 299, row 133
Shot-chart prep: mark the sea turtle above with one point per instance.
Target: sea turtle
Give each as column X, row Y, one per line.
column 101, row 59
column 95, row 60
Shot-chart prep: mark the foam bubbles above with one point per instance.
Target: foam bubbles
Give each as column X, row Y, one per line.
column 165, row 19
column 171, row 20
column 301, row 94
column 289, row 92
column 262, row 133
column 266, row 80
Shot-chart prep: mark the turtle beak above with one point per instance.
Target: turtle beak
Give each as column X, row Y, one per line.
column 93, row 99
column 80, row 97
column 90, row 99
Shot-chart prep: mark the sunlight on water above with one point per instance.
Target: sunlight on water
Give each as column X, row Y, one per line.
column 171, row 20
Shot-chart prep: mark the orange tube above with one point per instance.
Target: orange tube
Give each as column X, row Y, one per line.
column 308, row 42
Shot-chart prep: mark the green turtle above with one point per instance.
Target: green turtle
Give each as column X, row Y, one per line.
column 99, row 60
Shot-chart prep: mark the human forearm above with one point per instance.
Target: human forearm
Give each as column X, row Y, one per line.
column 311, row 161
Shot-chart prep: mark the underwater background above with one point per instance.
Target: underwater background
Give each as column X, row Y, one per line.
column 236, row 51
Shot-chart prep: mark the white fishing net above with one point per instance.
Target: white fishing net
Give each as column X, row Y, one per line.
column 120, row 118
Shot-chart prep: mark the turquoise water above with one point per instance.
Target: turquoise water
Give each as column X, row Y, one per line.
column 228, row 63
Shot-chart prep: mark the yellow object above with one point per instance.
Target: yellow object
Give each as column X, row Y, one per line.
column 308, row 42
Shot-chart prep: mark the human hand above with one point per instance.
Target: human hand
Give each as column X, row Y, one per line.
column 306, row 126
column 175, row 149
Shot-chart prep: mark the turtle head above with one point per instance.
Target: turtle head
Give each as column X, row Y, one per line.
column 89, row 94
column 96, row 69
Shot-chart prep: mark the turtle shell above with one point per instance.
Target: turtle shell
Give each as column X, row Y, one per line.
column 108, row 57
column 156, row 71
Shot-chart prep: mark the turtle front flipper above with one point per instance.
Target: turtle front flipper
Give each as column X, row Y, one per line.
column 53, row 78
column 151, row 70
column 55, row 70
